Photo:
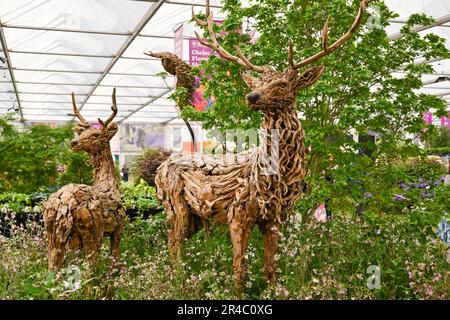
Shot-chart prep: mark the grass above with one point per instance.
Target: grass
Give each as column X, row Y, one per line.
column 316, row 261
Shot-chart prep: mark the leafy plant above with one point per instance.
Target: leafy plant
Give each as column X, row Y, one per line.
column 30, row 157
column 140, row 197
column 438, row 137
column 145, row 164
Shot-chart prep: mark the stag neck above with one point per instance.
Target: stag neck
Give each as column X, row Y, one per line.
column 282, row 120
column 104, row 169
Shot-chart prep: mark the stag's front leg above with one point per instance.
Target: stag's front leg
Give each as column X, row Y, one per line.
column 90, row 229
column 56, row 254
column 270, row 234
column 117, row 235
column 182, row 226
column 115, row 246
column 240, row 233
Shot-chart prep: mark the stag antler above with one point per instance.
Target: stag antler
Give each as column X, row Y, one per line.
column 328, row 49
column 114, row 111
column 214, row 44
column 83, row 123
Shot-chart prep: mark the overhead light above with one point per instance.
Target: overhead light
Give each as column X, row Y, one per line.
column 3, row 60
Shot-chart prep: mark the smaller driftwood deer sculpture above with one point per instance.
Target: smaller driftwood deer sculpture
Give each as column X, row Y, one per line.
column 78, row 216
column 194, row 191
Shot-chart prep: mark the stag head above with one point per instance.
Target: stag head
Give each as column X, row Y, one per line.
column 277, row 90
column 93, row 140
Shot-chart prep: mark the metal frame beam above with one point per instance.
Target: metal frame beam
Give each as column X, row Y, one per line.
column 98, row 115
column 83, row 85
column 79, row 94
column 105, row 33
column 440, row 21
column 62, row 102
column 11, row 71
column 181, row 3
column 88, row 72
column 147, row 17
column 443, row 94
column 81, row 55
column 404, row 22
column 145, row 104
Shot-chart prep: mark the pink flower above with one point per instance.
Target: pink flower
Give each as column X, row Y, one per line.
column 437, row 277
column 410, row 274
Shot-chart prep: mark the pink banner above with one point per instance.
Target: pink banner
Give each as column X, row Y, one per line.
column 197, row 52
column 445, row 121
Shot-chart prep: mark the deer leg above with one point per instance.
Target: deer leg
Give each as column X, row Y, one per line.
column 183, row 226
column 90, row 228
column 115, row 243
column 55, row 247
column 239, row 232
column 56, row 254
column 115, row 246
column 270, row 234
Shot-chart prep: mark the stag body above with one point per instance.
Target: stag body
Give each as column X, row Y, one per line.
column 79, row 215
column 245, row 194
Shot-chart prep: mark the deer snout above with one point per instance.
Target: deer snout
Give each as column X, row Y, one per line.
column 253, row 97
column 73, row 143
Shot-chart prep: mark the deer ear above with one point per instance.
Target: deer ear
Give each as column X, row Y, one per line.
column 309, row 77
column 79, row 130
column 249, row 80
column 112, row 130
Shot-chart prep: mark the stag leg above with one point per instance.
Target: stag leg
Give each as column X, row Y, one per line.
column 240, row 233
column 56, row 254
column 90, row 228
column 270, row 235
column 55, row 247
column 183, row 223
column 115, row 246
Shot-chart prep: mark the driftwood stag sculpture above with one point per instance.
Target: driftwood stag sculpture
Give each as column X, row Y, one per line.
column 242, row 194
column 78, row 215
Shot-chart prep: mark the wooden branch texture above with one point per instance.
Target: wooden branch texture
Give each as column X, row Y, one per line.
column 78, row 216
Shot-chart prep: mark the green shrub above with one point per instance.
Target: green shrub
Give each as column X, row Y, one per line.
column 427, row 169
column 438, row 151
column 29, row 158
column 145, row 164
column 140, row 197
column 78, row 169
column 438, row 137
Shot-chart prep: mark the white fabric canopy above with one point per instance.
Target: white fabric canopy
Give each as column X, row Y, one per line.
column 88, row 47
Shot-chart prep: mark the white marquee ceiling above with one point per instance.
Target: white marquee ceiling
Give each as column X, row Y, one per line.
column 88, row 47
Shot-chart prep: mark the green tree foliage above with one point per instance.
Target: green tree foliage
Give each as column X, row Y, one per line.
column 29, row 157
column 357, row 94
column 78, row 169
column 438, row 137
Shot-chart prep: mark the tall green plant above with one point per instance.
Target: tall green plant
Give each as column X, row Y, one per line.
column 30, row 157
